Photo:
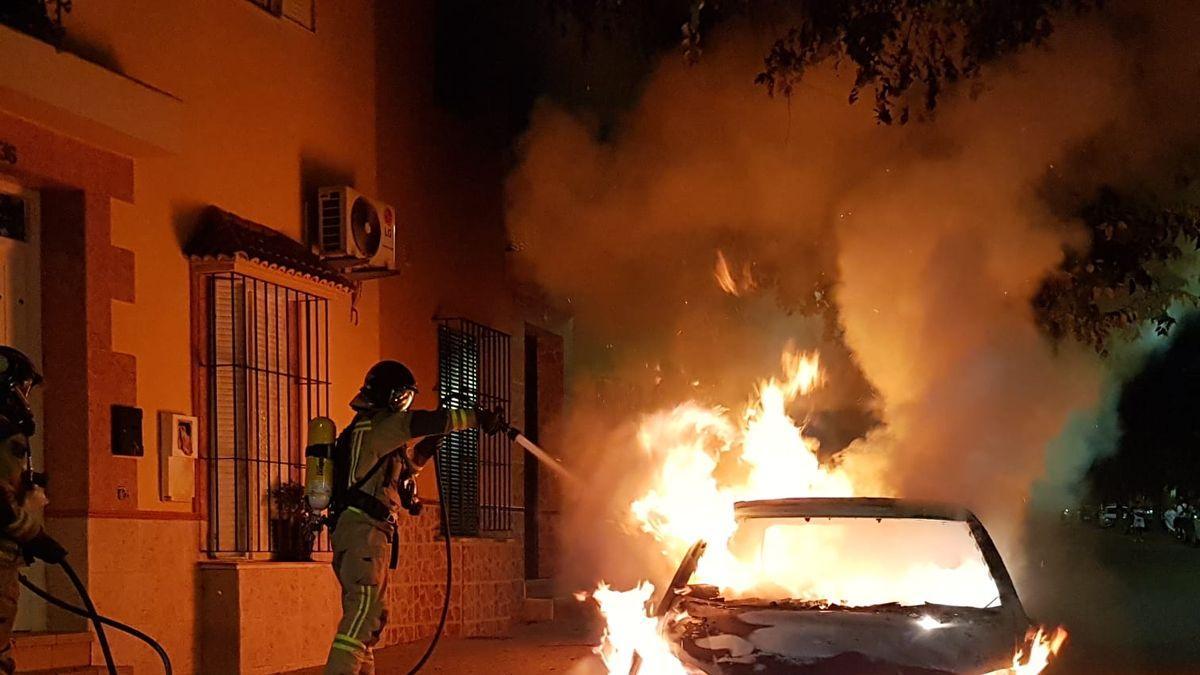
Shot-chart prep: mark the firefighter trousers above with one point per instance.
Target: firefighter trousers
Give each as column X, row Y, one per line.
column 361, row 558
column 10, row 590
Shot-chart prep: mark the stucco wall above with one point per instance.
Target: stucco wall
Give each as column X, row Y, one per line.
column 143, row 572
column 263, row 617
column 270, row 109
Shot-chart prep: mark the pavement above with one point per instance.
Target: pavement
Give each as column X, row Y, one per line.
column 1132, row 608
column 563, row 646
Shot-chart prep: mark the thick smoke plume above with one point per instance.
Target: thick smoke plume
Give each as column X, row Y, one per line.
column 932, row 238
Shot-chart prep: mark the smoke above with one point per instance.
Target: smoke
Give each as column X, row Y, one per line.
column 931, row 237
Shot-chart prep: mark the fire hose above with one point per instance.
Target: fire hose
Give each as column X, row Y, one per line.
column 98, row 620
column 437, row 636
column 516, row 435
column 44, row 547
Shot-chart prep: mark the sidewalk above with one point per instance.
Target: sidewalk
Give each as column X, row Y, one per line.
column 554, row 647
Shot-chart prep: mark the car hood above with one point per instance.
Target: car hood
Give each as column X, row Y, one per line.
column 732, row 640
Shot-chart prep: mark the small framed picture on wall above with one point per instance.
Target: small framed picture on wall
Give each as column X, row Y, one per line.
column 179, row 441
column 185, row 436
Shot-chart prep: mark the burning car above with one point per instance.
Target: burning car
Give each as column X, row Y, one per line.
column 787, row 568
column 924, row 592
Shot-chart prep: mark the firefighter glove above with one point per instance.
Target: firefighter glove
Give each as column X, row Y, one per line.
column 491, row 421
column 43, row 547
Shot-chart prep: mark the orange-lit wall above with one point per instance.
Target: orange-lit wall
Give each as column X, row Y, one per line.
column 269, row 112
column 269, row 109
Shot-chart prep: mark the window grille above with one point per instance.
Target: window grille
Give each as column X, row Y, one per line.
column 267, row 374
column 475, row 469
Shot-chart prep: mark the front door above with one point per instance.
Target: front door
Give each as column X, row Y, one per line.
column 21, row 327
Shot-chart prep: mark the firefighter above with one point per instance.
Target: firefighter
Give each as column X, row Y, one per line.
column 374, row 477
column 22, row 503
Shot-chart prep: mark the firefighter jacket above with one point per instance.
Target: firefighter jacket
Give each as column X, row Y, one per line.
column 18, row 524
column 373, row 437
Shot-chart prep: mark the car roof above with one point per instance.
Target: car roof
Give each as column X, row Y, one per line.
column 850, row 507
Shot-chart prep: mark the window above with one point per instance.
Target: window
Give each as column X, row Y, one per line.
column 303, row 12
column 475, row 469
column 266, row 375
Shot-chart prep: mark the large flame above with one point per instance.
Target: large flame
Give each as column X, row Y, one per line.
column 763, row 453
column 707, row 458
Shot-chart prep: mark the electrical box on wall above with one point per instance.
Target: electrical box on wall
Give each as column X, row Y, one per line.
column 127, row 431
column 177, row 456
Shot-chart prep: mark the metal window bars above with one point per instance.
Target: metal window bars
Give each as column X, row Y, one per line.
column 267, row 375
column 475, row 469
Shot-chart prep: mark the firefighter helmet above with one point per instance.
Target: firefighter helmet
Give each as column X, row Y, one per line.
column 388, row 384
column 18, row 376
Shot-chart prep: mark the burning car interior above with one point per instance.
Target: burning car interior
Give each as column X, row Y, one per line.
column 855, row 586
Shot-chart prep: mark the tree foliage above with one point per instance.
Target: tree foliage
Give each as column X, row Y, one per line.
column 1135, row 269
column 902, row 51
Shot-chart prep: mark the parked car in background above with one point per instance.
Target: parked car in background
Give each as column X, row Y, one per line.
column 1109, row 515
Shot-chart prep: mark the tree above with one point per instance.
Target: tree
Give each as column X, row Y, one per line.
column 1134, row 271
column 899, row 49
column 903, row 47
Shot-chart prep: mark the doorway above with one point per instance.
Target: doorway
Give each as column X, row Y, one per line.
column 21, row 327
column 532, row 466
column 545, row 396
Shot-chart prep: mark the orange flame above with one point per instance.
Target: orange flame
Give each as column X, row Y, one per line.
column 1040, row 647
column 726, row 280
column 631, row 630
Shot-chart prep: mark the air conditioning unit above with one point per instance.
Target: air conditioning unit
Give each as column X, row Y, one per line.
column 355, row 233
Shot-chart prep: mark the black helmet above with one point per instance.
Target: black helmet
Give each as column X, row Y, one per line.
column 18, row 375
column 388, row 384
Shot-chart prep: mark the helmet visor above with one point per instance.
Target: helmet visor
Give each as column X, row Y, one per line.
column 402, row 400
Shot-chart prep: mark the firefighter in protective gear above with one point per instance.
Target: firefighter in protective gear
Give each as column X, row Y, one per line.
column 22, row 503
column 380, row 459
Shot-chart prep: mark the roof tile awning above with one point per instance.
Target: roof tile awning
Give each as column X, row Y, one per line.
column 224, row 235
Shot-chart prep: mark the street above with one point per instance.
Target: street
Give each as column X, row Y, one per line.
column 1131, row 607
column 1088, row 579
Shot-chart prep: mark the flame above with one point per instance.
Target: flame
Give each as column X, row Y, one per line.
column 631, row 630
column 726, row 280
column 1040, row 647
column 692, row 445
column 707, row 458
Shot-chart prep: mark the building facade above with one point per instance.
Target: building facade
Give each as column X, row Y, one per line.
column 159, row 167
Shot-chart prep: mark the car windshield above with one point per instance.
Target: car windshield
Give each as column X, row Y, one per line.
column 864, row 562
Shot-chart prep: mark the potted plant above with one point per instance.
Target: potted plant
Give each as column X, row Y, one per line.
column 291, row 523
